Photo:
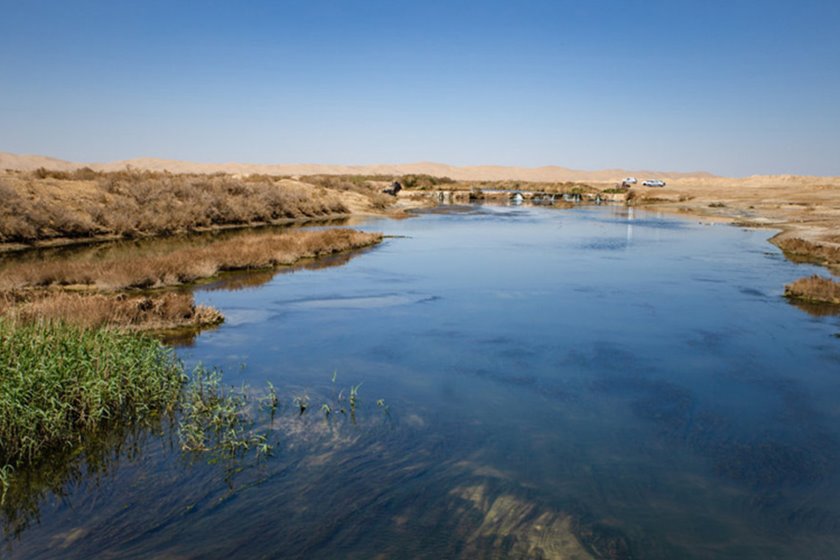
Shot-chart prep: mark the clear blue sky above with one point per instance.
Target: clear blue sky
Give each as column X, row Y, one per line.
column 734, row 87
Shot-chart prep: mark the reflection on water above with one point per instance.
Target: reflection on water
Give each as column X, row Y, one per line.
column 817, row 309
column 54, row 478
column 583, row 383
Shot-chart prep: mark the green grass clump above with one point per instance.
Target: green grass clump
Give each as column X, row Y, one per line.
column 216, row 418
column 60, row 384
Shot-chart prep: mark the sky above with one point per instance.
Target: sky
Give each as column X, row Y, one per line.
column 735, row 87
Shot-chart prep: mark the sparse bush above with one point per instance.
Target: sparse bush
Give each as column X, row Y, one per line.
column 814, row 289
column 423, row 182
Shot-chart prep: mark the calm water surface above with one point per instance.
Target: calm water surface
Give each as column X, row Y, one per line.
column 574, row 383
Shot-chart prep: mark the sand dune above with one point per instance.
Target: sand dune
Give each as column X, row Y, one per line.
column 468, row 173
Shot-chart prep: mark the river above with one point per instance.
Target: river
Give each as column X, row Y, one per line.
column 590, row 382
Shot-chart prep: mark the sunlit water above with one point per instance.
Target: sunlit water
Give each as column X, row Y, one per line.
column 562, row 383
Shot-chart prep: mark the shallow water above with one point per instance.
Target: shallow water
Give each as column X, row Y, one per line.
column 594, row 382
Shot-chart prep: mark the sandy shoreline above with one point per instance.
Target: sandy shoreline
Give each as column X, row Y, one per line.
column 802, row 208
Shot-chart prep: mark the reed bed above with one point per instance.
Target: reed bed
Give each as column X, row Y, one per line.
column 60, row 384
column 814, row 289
column 188, row 265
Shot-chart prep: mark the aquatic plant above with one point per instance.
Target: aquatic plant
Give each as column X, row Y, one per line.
column 302, row 402
column 5, row 481
column 59, row 384
column 327, row 410
column 354, row 396
column 215, row 418
column 73, row 401
column 270, row 400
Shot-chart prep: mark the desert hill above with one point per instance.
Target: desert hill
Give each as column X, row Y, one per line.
column 467, row 173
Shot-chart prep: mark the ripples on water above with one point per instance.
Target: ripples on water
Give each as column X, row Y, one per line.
column 594, row 382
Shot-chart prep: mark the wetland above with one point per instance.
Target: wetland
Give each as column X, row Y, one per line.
column 527, row 382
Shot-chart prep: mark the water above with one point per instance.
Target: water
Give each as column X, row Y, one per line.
column 594, row 382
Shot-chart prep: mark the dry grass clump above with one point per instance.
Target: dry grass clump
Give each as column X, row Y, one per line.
column 814, row 289
column 819, row 252
column 189, row 264
column 164, row 311
column 49, row 204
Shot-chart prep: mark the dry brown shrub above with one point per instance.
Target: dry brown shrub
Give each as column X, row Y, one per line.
column 815, row 289
column 133, row 203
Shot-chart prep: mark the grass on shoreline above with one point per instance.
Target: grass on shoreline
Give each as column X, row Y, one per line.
column 93, row 293
column 814, row 289
column 142, row 312
column 190, row 264
column 46, row 205
column 60, row 384
column 797, row 249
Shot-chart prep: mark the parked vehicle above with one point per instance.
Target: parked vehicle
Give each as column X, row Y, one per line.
column 630, row 180
column 654, row 183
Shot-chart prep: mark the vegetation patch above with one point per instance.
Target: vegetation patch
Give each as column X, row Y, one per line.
column 74, row 400
column 82, row 204
column 187, row 265
column 814, row 289
column 799, row 250
column 60, row 384
column 90, row 310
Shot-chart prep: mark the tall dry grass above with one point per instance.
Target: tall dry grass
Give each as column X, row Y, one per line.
column 814, row 289
column 817, row 252
column 187, row 265
column 156, row 312
column 46, row 205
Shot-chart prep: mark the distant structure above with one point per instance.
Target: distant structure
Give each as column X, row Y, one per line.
column 393, row 189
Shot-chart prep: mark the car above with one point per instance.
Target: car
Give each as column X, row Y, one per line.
column 630, row 180
column 654, row 183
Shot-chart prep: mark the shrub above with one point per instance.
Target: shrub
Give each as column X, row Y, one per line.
column 814, row 289
column 133, row 203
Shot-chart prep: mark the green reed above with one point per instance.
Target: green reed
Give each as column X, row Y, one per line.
column 214, row 417
column 59, row 384
column 73, row 400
